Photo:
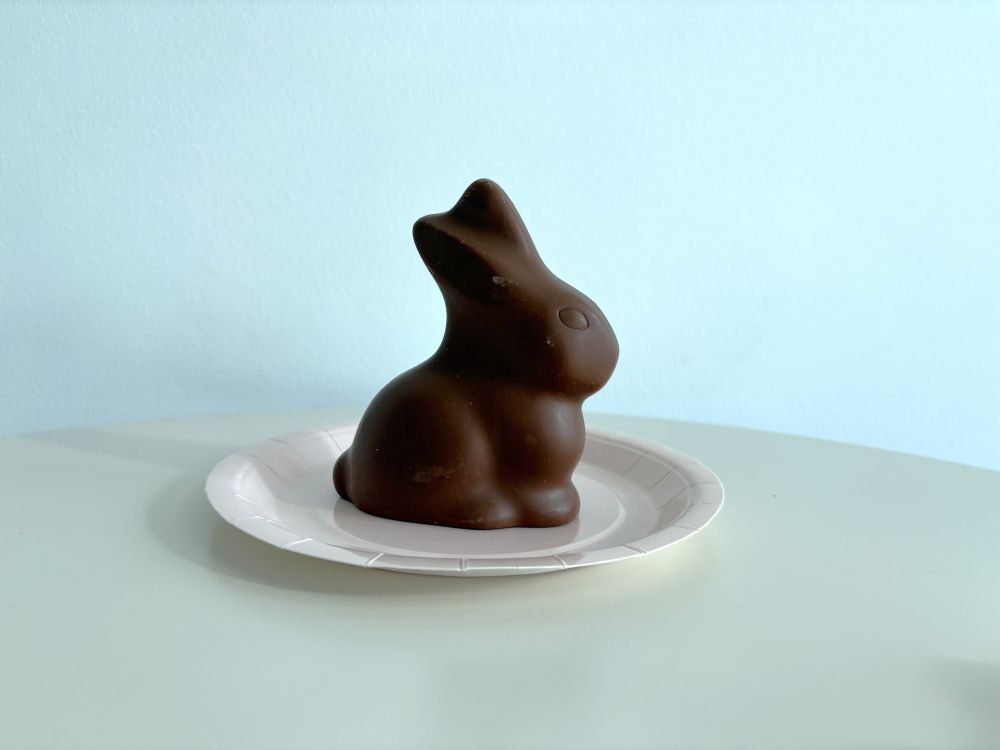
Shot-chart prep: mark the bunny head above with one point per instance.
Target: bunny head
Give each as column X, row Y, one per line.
column 509, row 316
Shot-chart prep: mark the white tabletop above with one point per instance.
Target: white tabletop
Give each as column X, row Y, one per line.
column 845, row 597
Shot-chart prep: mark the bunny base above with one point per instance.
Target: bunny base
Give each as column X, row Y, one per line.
column 430, row 450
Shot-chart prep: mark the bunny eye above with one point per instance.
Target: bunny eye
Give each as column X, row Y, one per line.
column 573, row 318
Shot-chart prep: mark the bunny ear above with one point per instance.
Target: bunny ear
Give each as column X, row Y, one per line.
column 485, row 206
column 464, row 247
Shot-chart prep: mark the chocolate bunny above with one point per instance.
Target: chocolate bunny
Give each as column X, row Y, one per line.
column 486, row 433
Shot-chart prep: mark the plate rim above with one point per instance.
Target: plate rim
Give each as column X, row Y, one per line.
column 708, row 488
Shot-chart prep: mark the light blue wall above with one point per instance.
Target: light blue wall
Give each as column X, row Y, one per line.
column 790, row 212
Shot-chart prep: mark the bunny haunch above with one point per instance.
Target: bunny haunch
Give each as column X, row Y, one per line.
column 487, row 432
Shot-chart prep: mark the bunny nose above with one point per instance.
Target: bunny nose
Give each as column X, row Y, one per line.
column 573, row 318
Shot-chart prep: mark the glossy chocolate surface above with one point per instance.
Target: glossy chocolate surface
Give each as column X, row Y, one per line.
column 486, row 433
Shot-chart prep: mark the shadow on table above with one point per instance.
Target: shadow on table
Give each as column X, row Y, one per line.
column 181, row 519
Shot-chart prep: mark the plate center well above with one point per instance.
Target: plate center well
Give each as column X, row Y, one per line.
column 601, row 515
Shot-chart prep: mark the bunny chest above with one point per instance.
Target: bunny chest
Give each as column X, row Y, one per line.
column 534, row 437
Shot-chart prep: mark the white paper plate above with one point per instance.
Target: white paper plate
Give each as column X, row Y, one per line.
column 636, row 497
